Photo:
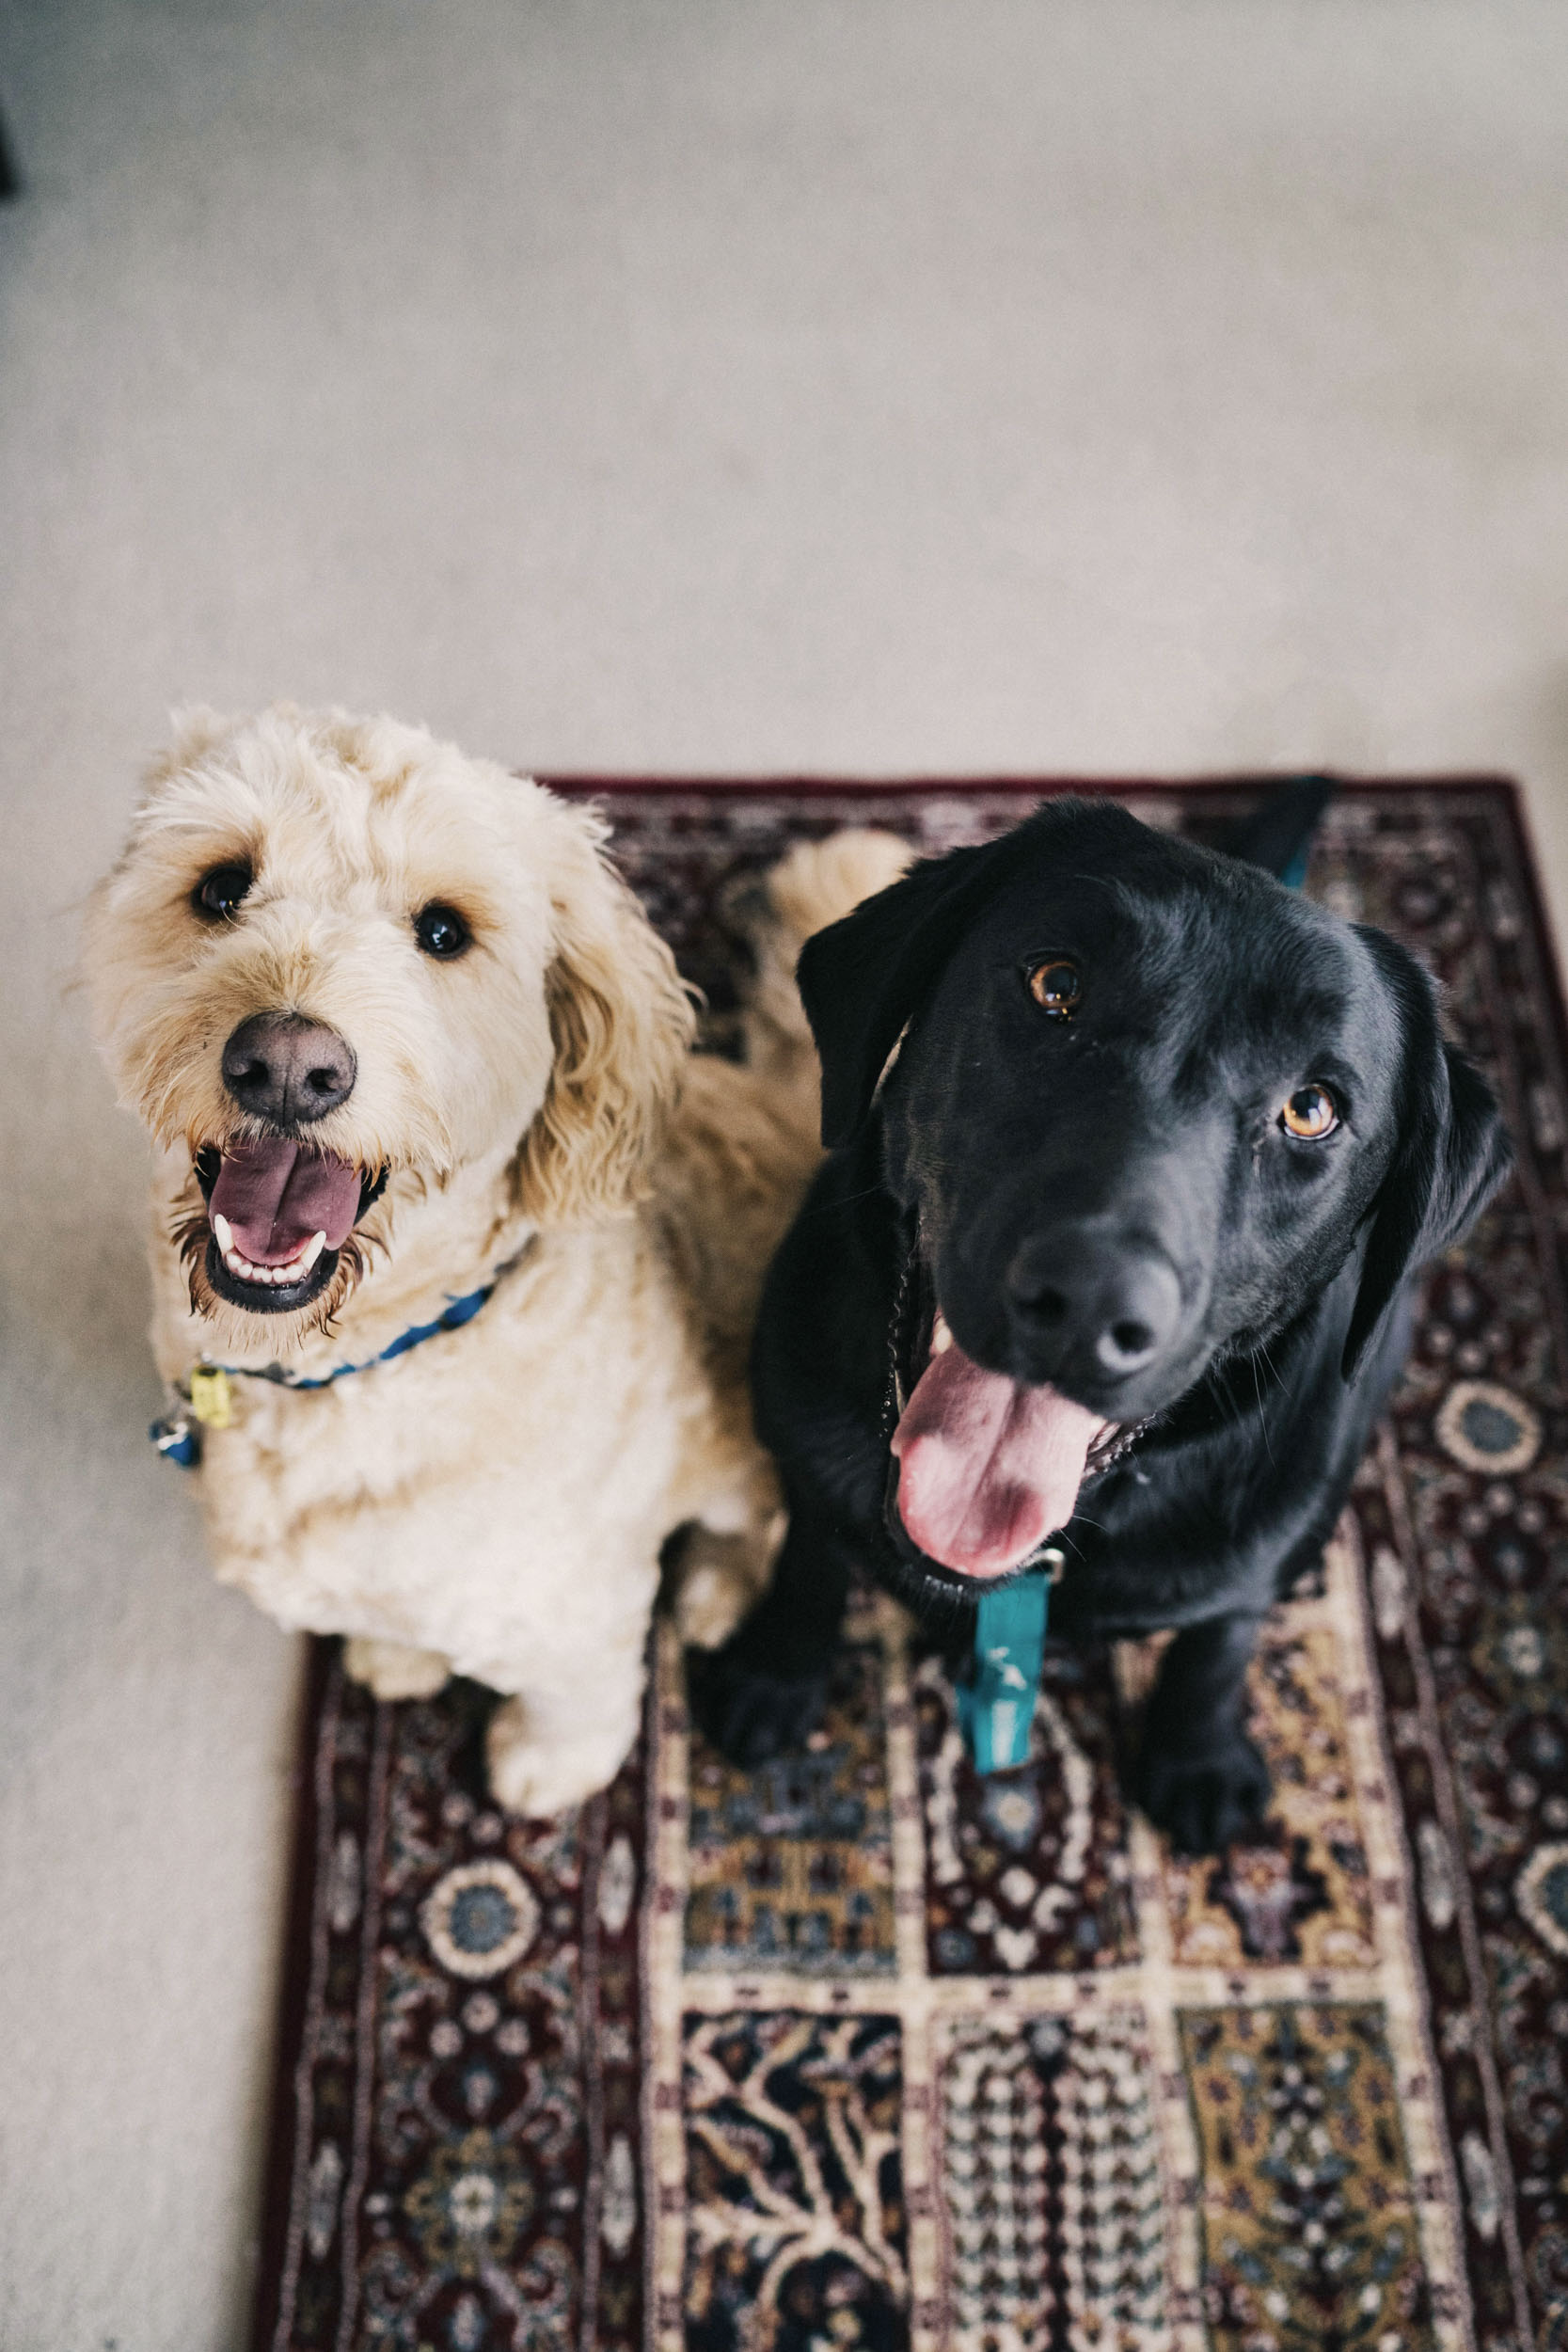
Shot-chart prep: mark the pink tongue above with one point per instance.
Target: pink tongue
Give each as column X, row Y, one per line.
column 276, row 1196
column 987, row 1467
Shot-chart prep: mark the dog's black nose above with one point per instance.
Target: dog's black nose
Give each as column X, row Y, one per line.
column 285, row 1069
column 1084, row 1299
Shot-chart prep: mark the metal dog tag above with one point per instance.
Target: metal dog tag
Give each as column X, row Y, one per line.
column 178, row 1439
column 212, row 1396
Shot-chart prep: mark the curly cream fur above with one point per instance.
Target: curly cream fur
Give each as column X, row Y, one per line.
column 495, row 1501
column 621, row 1023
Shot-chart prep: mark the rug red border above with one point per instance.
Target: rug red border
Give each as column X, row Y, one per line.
column 584, row 783
column 293, row 1995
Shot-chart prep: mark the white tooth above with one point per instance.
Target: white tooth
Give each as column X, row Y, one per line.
column 312, row 1251
column 941, row 1338
column 225, row 1233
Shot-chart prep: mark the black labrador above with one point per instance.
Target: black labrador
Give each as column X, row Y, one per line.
column 1133, row 1155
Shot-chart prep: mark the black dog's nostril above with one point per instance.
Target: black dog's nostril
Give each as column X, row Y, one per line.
column 1139, row 1306
column 1087, row 1304
column 287, row 1069
column 1125, row 1346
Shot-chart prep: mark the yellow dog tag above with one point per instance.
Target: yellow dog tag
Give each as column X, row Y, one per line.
column 212, row 1398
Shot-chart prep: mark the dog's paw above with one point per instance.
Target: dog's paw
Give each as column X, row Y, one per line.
column 537, row 1776
column 717, row 1580
column 392, row 1671
column 1206, row 1802
column 748, row 1714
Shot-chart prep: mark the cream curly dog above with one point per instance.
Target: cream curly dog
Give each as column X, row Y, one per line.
column 412, row 1051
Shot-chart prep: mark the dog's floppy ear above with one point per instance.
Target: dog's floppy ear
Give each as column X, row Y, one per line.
column 622, row 1022
column 864, row 978
column 1452, row 1153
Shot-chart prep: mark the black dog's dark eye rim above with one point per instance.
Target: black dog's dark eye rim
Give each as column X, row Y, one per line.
column 441, row 931
column 1054, row 984
column 221, row 890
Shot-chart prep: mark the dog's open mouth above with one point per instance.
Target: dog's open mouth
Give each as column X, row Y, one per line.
column 985, row 1467
column 280, row 1213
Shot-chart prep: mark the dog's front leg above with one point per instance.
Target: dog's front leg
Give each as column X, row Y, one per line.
column 551, row 1745
column 762, row 1695
column 1200, row 1777
column 392, row 1670
column 716, row 1577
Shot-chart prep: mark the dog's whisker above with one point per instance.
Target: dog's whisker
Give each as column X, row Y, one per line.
column 1263, row 1411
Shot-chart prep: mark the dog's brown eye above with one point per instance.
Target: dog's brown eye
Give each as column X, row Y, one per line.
column 217, row 893
column 1311, row 1114
column 441, row 930
column 1055, row 986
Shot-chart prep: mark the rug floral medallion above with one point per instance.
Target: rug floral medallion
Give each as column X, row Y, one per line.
column 864, row 2051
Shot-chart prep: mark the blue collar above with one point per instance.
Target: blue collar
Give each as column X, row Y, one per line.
column 178, row 1434
column 451, row 1318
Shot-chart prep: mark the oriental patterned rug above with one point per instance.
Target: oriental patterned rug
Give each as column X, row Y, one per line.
column 862, row 2051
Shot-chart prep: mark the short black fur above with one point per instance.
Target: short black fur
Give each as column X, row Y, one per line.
column 1123, row 1170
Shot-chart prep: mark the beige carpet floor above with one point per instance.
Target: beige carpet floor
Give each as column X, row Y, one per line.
column 1110, row 385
